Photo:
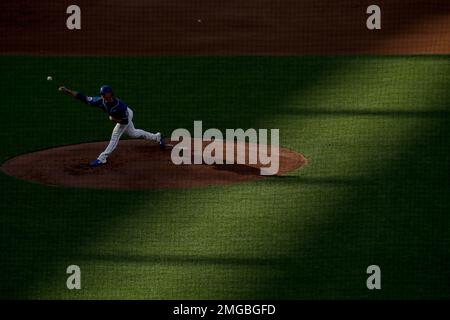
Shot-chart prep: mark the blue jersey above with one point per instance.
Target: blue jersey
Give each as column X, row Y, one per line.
column 116, row 109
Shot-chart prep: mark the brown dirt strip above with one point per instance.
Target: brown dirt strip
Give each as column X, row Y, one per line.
column 135, row 164
column 216, row 27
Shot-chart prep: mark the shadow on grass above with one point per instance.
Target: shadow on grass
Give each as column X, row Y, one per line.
column 434, row 114
column 185, row 260
column 398, row 217
column 45, row 229
column 402, row 227
column 240, row 169
column 331, row 181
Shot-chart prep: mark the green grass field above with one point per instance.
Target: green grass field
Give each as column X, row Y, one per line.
column 376, row 131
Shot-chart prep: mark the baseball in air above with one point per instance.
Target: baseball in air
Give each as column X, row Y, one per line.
column 49, row 78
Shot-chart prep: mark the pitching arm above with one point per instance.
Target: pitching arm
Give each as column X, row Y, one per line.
column 68, row 91
column 79, row 96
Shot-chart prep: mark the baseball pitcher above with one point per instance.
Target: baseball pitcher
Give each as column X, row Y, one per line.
column 119, row 113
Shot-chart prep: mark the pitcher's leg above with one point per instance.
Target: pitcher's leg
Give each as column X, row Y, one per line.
column 139, row 133
column 119, row 129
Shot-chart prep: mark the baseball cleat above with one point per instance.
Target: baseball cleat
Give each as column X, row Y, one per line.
column 96, row 163
column 162, row 143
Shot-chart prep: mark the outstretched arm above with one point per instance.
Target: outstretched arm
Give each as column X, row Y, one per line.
column 68, row 91
column 78, row 95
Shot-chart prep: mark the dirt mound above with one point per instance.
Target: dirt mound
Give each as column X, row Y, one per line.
column 136, row 164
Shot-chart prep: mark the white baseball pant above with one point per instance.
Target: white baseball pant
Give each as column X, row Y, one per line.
column 131, row 131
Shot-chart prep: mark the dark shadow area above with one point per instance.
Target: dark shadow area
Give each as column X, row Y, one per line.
column 240, row 169
column 331, row 181
column 223, row 92
column 44, row 229
column 186, row 260
column 354, row 112
column 400, row 222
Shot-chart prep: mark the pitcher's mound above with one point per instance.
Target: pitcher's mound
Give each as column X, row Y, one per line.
column 135, row 164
